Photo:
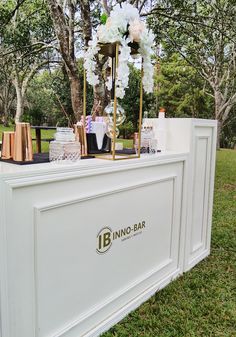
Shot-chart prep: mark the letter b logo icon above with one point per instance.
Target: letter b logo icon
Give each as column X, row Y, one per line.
column 104, row 238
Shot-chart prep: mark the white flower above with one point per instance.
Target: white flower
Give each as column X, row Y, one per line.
column 90, row 62
column 135, row 29
column 145, row 49
column 109, row 83
column 127, row 11
column 122, row 80
column 115, row 30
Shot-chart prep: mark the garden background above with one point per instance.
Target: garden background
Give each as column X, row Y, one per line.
column 41, row 82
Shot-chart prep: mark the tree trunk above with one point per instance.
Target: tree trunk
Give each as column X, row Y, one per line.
column 86, row 18
column 5, row 113
column 217, row 97
column 21, row 86
column 19, row 103
column 75, row 97
column 98, row 94
column 101, row 96
column 7, row 100
column 219, row 129
column 65, row 36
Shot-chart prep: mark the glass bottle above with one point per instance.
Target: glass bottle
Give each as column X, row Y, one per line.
column 161, row 130
column 146, row 134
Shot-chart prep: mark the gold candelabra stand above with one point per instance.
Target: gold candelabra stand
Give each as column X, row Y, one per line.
column 112, row 50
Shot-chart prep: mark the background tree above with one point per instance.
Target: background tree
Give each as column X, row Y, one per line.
column 181, row 90
column 131, row 103
column 47, row 107
column 200, row 82
column 7, row 92
column 49, row 100
column 7, row 13
column 25, row 43
column 203, row 32
column 65, row 23
column 73, row 23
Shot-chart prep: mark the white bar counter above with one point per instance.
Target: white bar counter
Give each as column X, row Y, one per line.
column 82, row 245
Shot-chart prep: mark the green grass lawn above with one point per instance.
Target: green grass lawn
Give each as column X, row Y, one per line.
column 203, row 301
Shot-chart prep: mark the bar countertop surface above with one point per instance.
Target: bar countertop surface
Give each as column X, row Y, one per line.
column 10, row 170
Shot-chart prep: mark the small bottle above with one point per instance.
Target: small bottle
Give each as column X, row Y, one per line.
column 146, row 134
column 136, row 142
column 145, row 118
column 162, row 113
column 161, row 130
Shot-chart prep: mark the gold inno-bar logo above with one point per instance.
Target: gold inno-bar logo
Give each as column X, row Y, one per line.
column 106, row 235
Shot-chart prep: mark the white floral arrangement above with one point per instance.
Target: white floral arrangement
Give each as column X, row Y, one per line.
column 124, row 26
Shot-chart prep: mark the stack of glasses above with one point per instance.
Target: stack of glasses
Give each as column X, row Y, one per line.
column 65, row 148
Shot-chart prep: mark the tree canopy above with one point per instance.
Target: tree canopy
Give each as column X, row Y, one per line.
column 41, row 61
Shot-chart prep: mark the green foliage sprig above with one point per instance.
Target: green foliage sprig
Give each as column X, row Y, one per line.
column 103, row 18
